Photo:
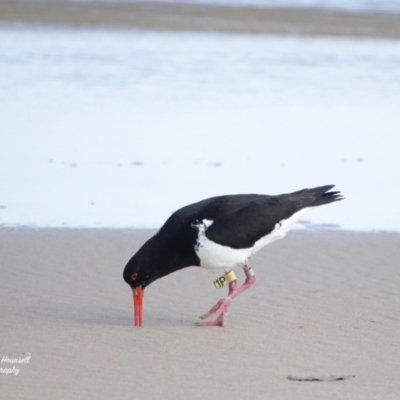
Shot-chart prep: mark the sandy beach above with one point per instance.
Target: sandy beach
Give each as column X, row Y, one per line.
column 326, row 303
column 186, row 17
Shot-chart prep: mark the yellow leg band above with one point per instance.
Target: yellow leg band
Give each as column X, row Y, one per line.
column 224, row 280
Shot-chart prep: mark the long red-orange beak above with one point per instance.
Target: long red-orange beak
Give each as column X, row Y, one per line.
column 138, row 295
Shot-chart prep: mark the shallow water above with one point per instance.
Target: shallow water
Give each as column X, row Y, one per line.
column 120, row 128
column 351, row 5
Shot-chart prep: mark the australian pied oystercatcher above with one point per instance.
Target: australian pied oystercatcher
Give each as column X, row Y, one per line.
column 220, row 232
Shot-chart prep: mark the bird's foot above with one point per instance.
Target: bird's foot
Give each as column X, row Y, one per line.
column 220, row 321
column 222, row 304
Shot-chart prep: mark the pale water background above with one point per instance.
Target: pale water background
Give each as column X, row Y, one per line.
column 349, row 5
column 111, row 128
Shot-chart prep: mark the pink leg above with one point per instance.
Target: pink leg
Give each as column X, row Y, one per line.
column 223, row 304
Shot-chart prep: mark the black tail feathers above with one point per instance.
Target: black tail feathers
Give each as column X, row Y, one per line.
column 323, row 196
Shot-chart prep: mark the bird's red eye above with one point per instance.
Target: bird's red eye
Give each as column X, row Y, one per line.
column 134, row 276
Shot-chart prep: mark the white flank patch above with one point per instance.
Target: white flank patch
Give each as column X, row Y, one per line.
column 281, row 229
column 213, row 255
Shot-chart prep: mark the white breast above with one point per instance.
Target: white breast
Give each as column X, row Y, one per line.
column 213, row 255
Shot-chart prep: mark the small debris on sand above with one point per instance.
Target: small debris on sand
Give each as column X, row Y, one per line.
column 329, row 378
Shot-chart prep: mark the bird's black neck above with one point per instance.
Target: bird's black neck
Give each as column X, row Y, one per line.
column 160, row 257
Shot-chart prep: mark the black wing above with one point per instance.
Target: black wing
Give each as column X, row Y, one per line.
column 241, row 220
column 257, row 216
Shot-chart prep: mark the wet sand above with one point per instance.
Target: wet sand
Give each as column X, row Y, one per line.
column 326, row 302
column 180, row 17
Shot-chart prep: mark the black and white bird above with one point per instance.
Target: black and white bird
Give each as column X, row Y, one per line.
column 219, row 233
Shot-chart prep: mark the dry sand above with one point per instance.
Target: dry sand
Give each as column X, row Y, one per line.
column 325, row 303
column 147, row 15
